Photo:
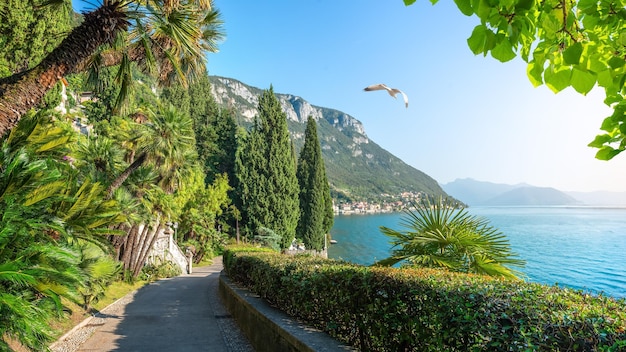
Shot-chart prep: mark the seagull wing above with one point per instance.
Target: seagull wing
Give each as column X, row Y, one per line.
column 378, row 86
column 406, row 99
column 391, row 91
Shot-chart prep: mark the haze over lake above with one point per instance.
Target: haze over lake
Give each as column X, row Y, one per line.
column 579, row 247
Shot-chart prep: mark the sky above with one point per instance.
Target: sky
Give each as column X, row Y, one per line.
column 468, row 116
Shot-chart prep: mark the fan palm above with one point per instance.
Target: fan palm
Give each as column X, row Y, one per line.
column 166, row 142
column 99, row 157
column 441, row 235
column 169, row 35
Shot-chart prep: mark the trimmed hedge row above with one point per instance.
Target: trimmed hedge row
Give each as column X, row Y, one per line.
column 388, row 309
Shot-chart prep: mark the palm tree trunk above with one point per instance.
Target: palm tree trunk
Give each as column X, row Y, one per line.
column 135, row 250
column 25, row 90
column 124, row 175
column 118, row 241
column 131, row 238
column 147, row 246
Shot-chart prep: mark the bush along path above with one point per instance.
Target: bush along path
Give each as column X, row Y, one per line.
column 389, row 309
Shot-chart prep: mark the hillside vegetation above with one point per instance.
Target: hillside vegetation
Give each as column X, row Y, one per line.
column 357, row 167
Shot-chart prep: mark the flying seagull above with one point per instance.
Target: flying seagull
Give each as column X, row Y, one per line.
column 391, row 91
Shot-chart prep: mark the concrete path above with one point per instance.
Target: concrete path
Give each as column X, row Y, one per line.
column 183, row 313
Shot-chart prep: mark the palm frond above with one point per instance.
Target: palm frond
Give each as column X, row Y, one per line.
column 441, row 235
column 43, row 192
column 12, row 272
column 124, row 79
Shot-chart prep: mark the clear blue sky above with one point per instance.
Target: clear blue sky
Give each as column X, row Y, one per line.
column 468, row 116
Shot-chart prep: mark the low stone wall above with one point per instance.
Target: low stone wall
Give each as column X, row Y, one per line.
column 269, row 329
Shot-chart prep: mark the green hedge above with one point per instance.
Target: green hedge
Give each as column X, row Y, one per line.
column 388, row 309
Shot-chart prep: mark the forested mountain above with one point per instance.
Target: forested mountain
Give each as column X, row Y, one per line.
column 357, row 167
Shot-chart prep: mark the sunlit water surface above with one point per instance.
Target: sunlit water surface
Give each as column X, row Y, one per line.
column 579, row 247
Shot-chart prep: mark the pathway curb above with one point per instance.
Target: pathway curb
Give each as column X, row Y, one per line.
column 270, row 329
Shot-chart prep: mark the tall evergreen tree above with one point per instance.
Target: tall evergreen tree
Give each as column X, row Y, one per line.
column 267, row 172
column 313, row 186
column 178, row 96
column 215, row 130
column 329, row 216
column 216, row 142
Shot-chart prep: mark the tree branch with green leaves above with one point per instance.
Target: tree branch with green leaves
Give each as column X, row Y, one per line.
column 566, row 43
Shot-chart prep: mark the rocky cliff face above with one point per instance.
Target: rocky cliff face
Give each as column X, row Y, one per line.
column 230, row 92
column 356, row 166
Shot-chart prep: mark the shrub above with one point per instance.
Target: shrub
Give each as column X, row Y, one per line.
column 159, row 270
column 389, row 309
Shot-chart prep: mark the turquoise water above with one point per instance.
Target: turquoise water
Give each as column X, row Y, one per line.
column 579, row 247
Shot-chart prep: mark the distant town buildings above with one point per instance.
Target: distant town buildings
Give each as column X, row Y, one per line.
column 389, row 205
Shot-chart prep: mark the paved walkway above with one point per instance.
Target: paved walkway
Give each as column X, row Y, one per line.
column 183, row 313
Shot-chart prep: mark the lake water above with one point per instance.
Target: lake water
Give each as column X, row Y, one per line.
column 579, row 247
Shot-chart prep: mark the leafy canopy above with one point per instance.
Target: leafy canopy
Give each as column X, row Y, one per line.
column 566, row 43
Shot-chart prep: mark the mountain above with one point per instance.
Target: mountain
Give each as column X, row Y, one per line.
column 533, row 196
column 474, row 192
column 357, row 167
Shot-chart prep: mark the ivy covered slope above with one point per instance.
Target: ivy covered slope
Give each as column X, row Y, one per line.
column 357, row 167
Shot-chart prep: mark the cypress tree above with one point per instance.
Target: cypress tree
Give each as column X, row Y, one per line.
column 311, row 174
column 178, row 96
column 329, row 215
column 215, row 130
column 267, row 173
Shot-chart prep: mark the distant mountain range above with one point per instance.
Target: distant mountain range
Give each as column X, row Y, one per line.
column 472, row 192
column 357, row 168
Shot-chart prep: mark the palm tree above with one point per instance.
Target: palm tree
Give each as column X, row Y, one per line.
column 442, row 235
column 170, row 35
column 166, row 142
column 100, row 157
column 164, row 156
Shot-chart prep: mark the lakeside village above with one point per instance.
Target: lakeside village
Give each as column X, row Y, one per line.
column 394, row 204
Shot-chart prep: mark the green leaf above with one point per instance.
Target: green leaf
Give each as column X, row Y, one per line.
column 608, row 124
column 483, row 10
column 408, row 2
column 482, row 40
column 607, row 153
column 616, row 62
column 507, row 4
column 604, row 78
column 550, row 24
column 534, row 72
column 503, row 52
column 557, row 80
column 622, row 39
column 524, row 5
column 600, row 141
column 585, row 4
column 582, row 81
column 572, row 54
column 476, row 41
column 465, row 6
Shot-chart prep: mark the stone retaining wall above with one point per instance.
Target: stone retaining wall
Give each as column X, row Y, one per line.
column 269, row 329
